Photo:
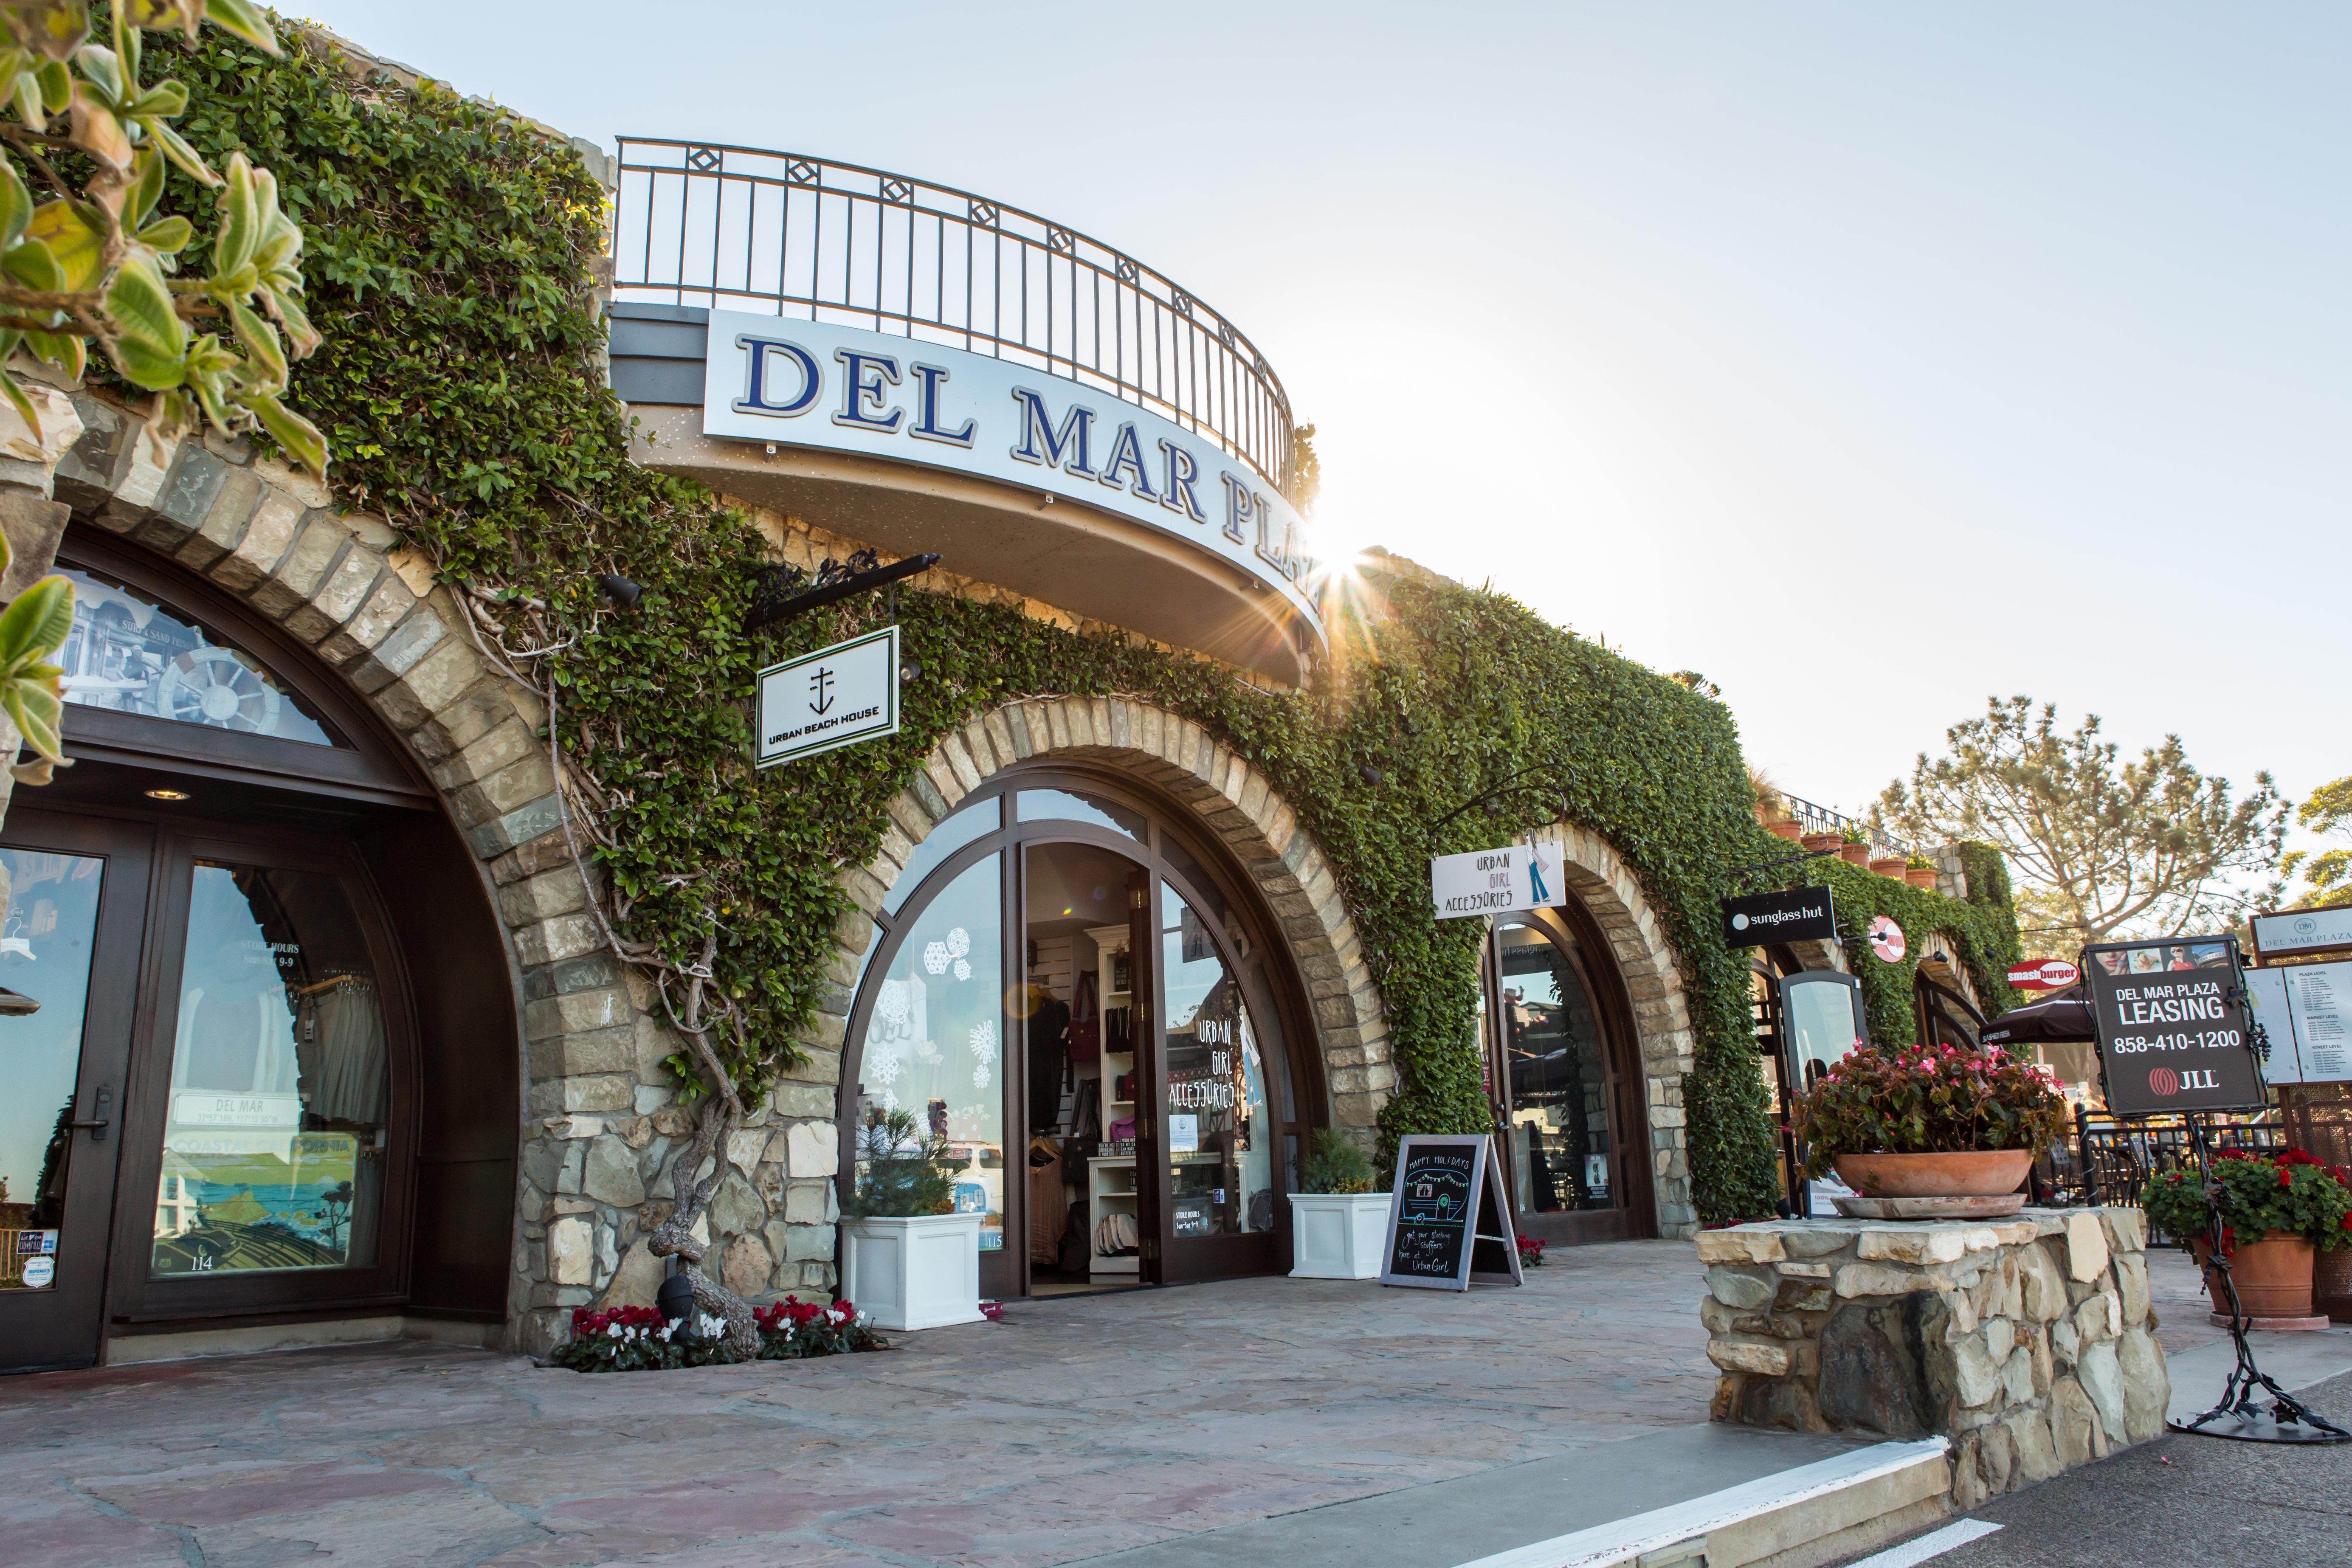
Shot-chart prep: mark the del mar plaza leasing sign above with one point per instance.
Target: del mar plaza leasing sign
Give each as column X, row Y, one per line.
column 847, row 389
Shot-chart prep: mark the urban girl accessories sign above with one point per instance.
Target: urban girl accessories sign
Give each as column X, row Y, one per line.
column 835, row 697
column 1498, row 881
column 2172, row 1027
column 847, row 389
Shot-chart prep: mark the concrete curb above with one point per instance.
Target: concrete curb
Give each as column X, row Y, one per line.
column 1811, row 1514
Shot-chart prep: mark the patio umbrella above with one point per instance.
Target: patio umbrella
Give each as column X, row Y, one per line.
column 2060, row 1015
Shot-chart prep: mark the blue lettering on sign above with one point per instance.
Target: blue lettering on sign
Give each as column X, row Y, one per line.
column 861, row 398
column 928, row 378
column 1183, row 473
column 1075, row 436
column 1238, row 507
column 1127, row 455
column 755, row 391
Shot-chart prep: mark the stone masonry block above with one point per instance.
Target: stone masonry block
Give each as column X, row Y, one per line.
column 265, row 543
column 316, row 547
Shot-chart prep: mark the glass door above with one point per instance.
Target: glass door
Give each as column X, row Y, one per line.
column 74, row 893
column 1221, row 1193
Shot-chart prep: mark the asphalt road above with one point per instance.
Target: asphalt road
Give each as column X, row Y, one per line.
column 2197, row 1502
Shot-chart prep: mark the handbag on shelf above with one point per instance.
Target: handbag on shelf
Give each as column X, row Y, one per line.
column 1086, row 1021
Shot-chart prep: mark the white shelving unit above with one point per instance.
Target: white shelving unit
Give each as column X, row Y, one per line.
column 1110, row 1181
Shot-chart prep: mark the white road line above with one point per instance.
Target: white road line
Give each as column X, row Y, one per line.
column 1934, row 1543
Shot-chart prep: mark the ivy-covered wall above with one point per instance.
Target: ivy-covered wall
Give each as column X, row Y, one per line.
column 452, row 255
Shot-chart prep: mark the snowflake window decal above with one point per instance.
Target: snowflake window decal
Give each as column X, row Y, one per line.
column 958, row 943
column 984, row 1052
column 935, row 958
column 962, row 969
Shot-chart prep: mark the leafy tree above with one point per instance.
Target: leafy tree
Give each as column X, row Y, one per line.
column 2103, row 848
column 93, row 260
column 2328, row 872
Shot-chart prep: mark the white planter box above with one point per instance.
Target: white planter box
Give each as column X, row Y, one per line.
column 920, row 1272
column 1336, row 1236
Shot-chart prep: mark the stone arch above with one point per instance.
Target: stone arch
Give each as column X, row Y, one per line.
column 587, row 1052
column 1228, row 797
column 1609, row 891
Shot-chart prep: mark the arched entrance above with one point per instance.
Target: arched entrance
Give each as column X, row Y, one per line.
column 251, row 1085
column 1076, row 985
column 1566, row 1079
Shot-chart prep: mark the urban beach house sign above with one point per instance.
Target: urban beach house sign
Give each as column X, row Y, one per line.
column 833, row 698
column 847, row 389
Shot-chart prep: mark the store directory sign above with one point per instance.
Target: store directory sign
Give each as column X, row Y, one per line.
column 2305, row 1010
column 2172, row 1027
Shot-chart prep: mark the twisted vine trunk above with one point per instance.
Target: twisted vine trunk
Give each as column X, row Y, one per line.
column 716, row 1121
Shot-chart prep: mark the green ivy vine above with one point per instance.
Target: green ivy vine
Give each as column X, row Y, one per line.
column 451, row 254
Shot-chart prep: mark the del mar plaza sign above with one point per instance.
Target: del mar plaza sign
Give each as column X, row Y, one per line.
column 847, row 389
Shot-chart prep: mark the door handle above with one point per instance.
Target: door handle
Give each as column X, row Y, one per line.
column 97, row 1127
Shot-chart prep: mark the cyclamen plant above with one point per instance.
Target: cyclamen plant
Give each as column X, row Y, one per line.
column 2286, row 1194
column 639, row 1339
column 1928, row 1099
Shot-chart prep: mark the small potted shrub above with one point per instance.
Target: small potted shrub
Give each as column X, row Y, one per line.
column 1920, row 872
column 2278, row 1211
column 1815, row 843
column 1338, row 1222
column 1930, row 1120
column 1889, row 866
column 1852, row 848
column 911, row 1259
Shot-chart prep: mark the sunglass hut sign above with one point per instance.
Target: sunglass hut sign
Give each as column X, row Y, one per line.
column 845, row 389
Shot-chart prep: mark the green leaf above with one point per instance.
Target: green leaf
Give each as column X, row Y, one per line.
column 146, row 187
column 98, row 131
column 301, row 438
column 154, row 368
column 260, row 341
column 52, row 29
column 294, row 319
column 16, row 204
column 101, row 75
column 167, row 236
column 75, row 238
column 57, row 87
column 165, row 100
column 248, row 21
column 36, row 708
column 21, row 404
column 64, row 349
column 35, row 626
column 30, row 263
column 139, row 303
column 240, row 224
column 186, row 158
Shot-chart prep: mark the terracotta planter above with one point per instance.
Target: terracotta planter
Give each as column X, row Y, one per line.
column 2273, row 1276
column 1817, row 842
column 1855, row 854
column 1787, row 828
column 1890, row 866
column 1975, row 1173
column 1921, row 876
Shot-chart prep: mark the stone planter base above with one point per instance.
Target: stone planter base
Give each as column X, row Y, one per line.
column 2027, row 1342
column 1859, row 1207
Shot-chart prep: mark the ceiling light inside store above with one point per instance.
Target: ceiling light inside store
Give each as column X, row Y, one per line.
column 167, row 795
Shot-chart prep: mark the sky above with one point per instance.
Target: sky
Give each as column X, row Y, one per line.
column 1869, row 360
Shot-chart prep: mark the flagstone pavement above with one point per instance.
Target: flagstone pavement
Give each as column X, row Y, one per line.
column 1072, row 1428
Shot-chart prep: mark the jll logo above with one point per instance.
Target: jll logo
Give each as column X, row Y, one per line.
column 2163, row 1081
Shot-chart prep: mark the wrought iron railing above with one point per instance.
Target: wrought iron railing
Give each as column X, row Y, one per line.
column 1821, row 819
column 738, row 229
column 2110, row 1161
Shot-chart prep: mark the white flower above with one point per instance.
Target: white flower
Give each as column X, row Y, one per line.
column 611, row 1330
column 709, row 1327
column 958, row 943
column 934, row 957
column 668, row 1330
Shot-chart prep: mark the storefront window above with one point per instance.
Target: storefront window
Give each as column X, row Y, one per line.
column 934, row 1035
column 1220, row 1142
column 274, row 1142
column 1557, row 1079
column 1824, row 1021
column 964, row 827
column 45, row 946
column 1072, row 805
column 127, row 653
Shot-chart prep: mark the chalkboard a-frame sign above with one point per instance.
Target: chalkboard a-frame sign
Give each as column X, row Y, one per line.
column 1450, row 1219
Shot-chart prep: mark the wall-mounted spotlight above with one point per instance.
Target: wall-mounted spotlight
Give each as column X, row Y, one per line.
column 619, row 589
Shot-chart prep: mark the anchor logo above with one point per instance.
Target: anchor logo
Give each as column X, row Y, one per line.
column 821, row 683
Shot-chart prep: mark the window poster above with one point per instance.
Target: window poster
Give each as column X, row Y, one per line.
column 236, row 1199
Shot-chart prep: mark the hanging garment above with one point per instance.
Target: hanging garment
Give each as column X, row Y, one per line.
column 344, row 1067
column 1046, row 1213
column 1049, row 1051
column 1085, row 1021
